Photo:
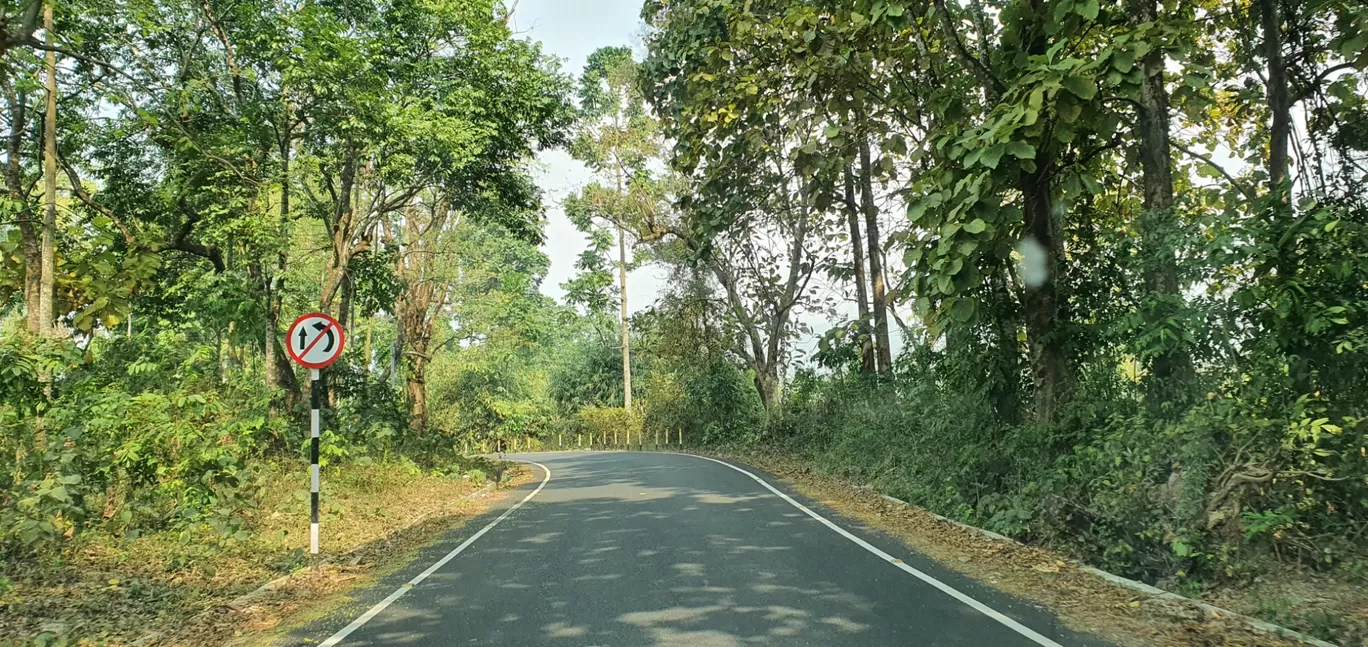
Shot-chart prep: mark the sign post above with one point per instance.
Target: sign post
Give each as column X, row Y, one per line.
column 315, row 341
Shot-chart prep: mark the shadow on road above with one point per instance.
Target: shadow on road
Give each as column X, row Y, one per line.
column 659, row 549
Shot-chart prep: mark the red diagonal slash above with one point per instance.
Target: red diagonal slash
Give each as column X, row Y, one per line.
column 321, row 335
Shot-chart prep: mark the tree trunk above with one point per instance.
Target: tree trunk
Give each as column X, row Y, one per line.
column 1279, row 99
column 335, row 270
column 28, row 234
column 370, row 323
column 626, row 351
column 1049, row 369
column 876, row 274
column 868, row 364
column 47, row 289
column 417, row 394
column 767, row 385
column 1007, row 394
column 269, row 338
column 396, row 354
column 1156, row 163
column 345, row 307
column 285, row 376
column 275, row 281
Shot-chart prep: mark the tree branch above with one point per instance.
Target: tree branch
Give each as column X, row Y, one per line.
column 975, row 66
column 78, row 189
column 1236, row 183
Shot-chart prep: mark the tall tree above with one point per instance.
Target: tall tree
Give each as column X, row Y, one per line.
column 48, row 244
column 617, row 140
column 868, row 361
column 1155, row 150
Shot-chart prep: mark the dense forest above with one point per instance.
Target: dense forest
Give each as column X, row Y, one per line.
column 1096, row 271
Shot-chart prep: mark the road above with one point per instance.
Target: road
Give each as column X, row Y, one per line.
column 635, row 549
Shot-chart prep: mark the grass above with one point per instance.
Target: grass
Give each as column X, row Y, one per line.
column 104, row 590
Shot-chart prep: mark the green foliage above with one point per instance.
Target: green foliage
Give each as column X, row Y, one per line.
column 589, row 374
column 715, row 402
column 608, row 422
column 130, row 447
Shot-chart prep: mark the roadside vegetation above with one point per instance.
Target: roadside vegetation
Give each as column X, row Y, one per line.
column 1090, row 274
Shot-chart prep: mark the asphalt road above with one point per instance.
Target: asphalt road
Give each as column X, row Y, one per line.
column 636, row 549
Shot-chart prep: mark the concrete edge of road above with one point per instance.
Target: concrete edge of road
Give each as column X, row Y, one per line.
column 1117, row 580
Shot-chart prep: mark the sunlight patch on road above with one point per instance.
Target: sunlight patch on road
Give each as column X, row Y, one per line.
column 563, row 630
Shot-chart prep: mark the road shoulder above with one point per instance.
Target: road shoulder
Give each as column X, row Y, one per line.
column 314, row 604
column 1000, row 571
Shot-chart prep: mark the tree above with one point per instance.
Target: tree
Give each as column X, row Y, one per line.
column 618, row 141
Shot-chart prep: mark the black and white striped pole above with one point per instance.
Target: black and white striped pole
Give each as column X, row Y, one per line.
column 315, row 404
column 315, row 341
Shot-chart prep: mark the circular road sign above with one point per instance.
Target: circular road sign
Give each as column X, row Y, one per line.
column 315, row 340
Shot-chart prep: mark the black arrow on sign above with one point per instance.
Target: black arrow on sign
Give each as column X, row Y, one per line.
column 326, row 329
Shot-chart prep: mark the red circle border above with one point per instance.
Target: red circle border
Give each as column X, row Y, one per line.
column 341, row 340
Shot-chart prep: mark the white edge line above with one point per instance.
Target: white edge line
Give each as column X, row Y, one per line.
column 945, row 588
column 399, row 592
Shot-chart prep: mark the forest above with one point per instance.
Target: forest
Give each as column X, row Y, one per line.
column 1092, row 274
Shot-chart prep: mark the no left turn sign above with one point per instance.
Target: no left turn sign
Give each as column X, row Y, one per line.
column 315, row 340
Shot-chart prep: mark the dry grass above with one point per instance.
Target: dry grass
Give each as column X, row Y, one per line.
column 1082, row 601
column 178, row 585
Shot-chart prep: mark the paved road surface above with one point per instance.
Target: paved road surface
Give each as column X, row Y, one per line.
column 638, row 549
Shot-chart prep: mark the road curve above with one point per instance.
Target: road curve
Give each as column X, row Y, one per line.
column 636, row 549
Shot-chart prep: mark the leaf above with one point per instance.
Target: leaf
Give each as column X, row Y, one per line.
column 1352, row 46
column 962, row 310
column 1181, row 549
column 1124, row 60
column 1020, row 150
column 832, row 131
column 1087, row 9
column 991, row 155
column 976, row 226
column 1082, row 87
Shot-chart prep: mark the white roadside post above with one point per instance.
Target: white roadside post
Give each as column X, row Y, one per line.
column 315, row 341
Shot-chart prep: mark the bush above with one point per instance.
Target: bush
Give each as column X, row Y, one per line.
column 716, row 403
column 609, row 422
column 153, row 446
column 1254, row 471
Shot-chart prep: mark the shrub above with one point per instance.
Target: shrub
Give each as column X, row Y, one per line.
column 606, row 422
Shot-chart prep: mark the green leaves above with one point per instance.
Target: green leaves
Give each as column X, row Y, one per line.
column 1020, row 150
column 962, row 310
column 1082, row 87
column 1087, row 9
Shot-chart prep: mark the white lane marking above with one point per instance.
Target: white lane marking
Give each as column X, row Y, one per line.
column 399, row 592
column 945, row 588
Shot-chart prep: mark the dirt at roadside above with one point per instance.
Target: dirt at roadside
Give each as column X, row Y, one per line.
column 117, row 594
column 312, row 594
column 1082, row 601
